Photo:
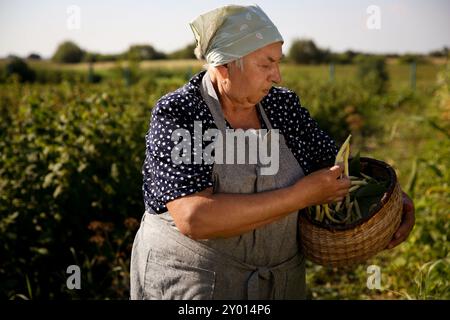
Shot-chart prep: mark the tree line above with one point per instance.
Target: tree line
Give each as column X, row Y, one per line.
column 301, row 51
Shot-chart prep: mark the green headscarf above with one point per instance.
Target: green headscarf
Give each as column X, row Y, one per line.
column 231, row 32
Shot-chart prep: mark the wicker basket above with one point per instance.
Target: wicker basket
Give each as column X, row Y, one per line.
column 354, row 243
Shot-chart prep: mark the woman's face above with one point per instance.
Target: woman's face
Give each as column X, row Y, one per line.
column 261, row 70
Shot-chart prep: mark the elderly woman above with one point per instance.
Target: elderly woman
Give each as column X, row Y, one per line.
column 228, row 228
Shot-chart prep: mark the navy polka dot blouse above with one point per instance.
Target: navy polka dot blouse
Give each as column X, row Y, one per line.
column 165, row 181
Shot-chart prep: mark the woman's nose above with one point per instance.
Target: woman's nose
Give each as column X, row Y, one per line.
column 276, row 75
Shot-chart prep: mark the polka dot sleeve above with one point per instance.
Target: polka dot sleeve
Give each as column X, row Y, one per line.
column 165, row 180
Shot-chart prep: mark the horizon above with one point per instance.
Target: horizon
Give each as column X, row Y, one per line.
column 112, row 27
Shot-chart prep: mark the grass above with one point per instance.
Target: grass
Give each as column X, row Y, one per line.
column 412, row 137
column 420, row 267
column 145, row 65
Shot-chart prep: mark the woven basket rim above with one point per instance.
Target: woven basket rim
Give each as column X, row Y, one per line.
column 386, row 196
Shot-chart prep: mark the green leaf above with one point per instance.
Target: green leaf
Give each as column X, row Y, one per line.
column 30, row 291
column 433, row 167
column 371, row 190
column 412, row 177
column 354, row 166
column 365, row 203
column 59, row 189
column 41, row 251
column 369, row 195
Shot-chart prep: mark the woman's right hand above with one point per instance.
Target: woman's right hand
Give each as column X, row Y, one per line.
column 323, row 186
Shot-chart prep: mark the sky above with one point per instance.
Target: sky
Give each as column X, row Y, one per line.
column 392, row 26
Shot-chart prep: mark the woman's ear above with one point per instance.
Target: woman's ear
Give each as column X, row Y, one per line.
column 223, row 71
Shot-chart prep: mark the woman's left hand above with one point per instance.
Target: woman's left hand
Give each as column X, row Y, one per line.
column 407, row 224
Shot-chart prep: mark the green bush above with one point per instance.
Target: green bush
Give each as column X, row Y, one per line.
column 19, row 68
column 70, row 175
column 68, row 52
column 143, row 52
column 184, row 53
column 71, row 156
column 340, row 107
column 372, row 73
column 34, row 56
column 410, row 58
column 305, row 51
column 346, row 57
column 56, row 76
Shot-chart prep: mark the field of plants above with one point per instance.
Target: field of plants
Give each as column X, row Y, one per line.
column 72, row 146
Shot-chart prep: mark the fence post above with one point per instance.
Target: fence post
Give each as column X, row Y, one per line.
column 331, row 72
column 189, row 73
column 127, row 76
column 413, row 75
column 91, row 72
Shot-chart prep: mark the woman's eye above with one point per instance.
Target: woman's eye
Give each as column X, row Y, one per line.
column 265, row 66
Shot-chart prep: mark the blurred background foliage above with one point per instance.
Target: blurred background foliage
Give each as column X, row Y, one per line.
column 72, row 147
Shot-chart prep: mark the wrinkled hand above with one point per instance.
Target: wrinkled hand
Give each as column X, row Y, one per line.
column 323, row 186
column 407, row 223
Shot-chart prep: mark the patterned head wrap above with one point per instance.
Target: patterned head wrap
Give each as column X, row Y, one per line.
column 231, row 32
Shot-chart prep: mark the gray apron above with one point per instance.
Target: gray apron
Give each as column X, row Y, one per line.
column 264, row 263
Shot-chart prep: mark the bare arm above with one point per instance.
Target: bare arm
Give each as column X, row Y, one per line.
column 207, row 215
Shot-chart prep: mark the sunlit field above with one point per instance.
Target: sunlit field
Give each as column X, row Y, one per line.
column 72, row 147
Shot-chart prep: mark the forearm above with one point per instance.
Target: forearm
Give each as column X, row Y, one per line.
column 226, row 215
column 209, row 215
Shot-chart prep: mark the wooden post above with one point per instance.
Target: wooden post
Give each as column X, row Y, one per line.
column 413, row 75
column 127, row 76
column 91, row 72
column 331, row 72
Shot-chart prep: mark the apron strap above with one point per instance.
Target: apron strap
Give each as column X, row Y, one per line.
column 264, row 116
column 253, row 282
column 276, row 275
column 212, row 101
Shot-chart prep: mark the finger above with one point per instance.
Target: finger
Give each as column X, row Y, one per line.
column 402, row 232
column 343, row 187
column 408, row 206
column 406, row 225
column 395, row 242
column 344, row 184
column 337, row 170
